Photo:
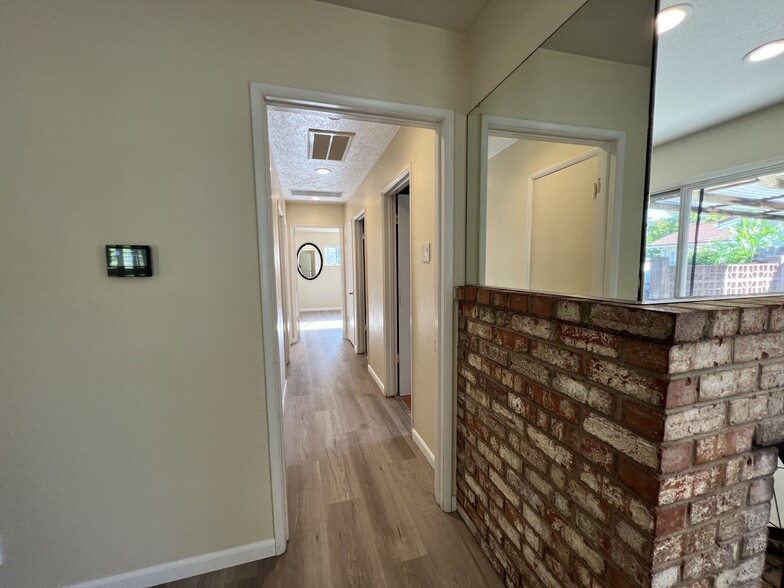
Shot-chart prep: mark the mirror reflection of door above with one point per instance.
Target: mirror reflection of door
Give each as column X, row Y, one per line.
column 563, row 220
column 307, row 262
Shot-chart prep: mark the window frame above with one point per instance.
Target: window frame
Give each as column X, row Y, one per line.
column 337, row 256
column 684, row 192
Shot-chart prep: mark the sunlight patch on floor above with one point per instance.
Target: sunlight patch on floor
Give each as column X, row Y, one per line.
column 320, row 325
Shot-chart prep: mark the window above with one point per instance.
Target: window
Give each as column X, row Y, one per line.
column 331, row 255
column 723, row 237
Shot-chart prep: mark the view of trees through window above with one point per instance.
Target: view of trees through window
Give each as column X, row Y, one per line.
column 732, row 244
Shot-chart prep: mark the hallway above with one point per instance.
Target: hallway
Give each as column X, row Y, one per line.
column 360, row 493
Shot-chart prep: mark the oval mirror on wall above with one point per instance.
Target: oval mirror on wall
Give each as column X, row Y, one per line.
column 309, row 261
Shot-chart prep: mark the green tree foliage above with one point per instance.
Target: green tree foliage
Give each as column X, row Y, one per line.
column 747, row 236
column 662, row 227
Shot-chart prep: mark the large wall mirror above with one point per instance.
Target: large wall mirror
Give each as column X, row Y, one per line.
column 557, row 160
column 715, row 215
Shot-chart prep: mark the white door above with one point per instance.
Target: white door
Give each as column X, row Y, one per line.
column 294, row 318
column 348, row 264
column 404, row 294
column 360, row 286
column 563, row 227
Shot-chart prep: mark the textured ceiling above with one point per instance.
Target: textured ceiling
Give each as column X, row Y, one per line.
column 701, row 78
column 453, row 15
column 288, row 137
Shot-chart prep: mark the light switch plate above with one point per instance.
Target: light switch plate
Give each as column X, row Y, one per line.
column 425, row 252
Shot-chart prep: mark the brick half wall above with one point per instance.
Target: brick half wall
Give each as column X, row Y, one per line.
column 603, row 444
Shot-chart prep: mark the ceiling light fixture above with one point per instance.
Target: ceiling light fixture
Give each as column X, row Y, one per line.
column 323, row 171
column 671, row 17
column 766, row 51
column 315, row 198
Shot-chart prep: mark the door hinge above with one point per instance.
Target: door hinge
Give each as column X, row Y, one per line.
column 397, row 358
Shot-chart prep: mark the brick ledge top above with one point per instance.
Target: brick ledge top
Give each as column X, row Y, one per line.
column 677, row 322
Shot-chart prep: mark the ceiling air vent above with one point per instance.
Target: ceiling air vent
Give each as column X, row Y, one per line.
column 316, row 194
column 328, row 145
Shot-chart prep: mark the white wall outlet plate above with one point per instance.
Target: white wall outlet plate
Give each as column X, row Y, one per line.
column 425, row 252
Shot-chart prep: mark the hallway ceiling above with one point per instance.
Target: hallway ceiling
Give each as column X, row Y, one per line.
column 289, row 143
column 453, row 15
column 702, row 79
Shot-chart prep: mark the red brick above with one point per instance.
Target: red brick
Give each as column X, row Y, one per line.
column 518, row 302
column 753, row 320
column 483, row 296
column 680, row 393
column 717, row 505
column 541, row 305
column 510, row 339
column 501, row 299
column 642, row 419
column 690, row 484
column 670, row 520
column 690, row 326
column 652, row 356
column 468, row 309
column 589, row 340
column 480, row 330
column 761, row 491
column 642, row 480
column 556, row 356
column 642, row 321
column 598, row 454
column 676, row 457
column 619, row 580
column 723, row 445
column 466, row 293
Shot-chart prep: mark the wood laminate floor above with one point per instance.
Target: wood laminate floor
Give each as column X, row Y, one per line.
column 360, row 493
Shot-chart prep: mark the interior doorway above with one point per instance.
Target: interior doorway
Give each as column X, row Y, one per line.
column 264, row 100
column 317, row 281
column 356, row 284
column 403, row 291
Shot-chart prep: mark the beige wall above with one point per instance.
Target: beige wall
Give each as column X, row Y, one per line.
column 590, row 93
column 326, row 291
column 505, row 34
column 752, row 139
column 133, row 421
column 417, row 147
column 316, row 214
column 508, row 173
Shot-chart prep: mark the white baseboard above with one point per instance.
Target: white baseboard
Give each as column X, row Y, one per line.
column 424, row 448
column 376, row 379
column 301, row 310
column 185, row 568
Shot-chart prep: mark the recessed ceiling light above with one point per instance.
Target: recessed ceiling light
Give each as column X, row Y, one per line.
column 671, row 17
column 315, row 198
column 766, row 51
column 323, row 171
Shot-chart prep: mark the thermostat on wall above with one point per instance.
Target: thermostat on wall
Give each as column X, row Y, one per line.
column 128, row 261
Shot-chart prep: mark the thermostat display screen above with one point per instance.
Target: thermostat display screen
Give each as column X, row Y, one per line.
column 128, row 260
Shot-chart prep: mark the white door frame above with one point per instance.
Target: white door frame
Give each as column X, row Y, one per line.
column 442, row 121
column 294, row 261
column 390, row 280
column 612, row 141
column 359, row 252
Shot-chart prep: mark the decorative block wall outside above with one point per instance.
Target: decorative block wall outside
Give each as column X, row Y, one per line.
column 603, row 444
